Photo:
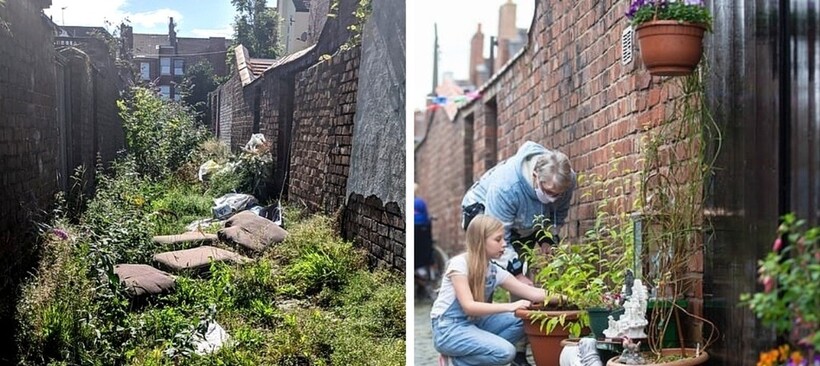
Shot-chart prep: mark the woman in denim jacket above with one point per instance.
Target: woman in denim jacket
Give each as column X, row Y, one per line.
column 467, row 328
column 534, row 183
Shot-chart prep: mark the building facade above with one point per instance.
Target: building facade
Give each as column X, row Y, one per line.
column 162, row 59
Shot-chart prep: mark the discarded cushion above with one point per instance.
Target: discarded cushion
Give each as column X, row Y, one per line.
column 142, row 279
column 197, row 259
column 191, row 236
column 252, row 232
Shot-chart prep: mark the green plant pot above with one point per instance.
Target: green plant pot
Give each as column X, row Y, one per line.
column 599, row 319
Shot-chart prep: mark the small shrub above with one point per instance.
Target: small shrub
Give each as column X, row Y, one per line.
column 160, row 134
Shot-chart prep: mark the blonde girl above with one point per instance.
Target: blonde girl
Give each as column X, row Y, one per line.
column 467, row 328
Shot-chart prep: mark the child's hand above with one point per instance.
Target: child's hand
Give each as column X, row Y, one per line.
column 520, row 304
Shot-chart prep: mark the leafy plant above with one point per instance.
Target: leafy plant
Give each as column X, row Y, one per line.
column 160, row 135
column 689, row 11
column 790, row 300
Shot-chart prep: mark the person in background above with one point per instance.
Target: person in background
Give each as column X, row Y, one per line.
column 467, row 328
column 423, row 243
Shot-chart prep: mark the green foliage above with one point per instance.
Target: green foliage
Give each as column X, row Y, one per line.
column 256, row 26
column 251, row 173
column 160, row 134
column 689, row 11
column 73, row 311
column 790, row 274
column 176, row 207
column 199, row 80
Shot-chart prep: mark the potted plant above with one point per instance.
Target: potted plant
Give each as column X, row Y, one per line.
column 676, row 160
column 790, row 299
column 670, row 34
column 585, row 277
column 563, row 273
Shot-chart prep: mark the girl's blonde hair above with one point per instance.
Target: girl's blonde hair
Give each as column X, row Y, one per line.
column 480, row 229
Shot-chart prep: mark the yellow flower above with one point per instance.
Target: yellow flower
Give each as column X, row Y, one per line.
column 796, row 357
column 784, row 352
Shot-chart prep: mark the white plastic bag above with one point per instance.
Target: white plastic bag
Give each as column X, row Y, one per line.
column 207, row 168
column 256, row 140
column 231, row 203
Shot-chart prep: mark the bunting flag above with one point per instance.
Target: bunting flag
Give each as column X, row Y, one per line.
column 442, row 101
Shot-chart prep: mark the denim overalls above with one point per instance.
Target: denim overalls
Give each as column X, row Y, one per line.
column 486, row 340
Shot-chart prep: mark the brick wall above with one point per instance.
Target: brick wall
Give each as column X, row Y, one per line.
column 57, row 111
column 377, row 227
column 306, row 110
column 325, row 103
column 28, row 137
column 567, row 91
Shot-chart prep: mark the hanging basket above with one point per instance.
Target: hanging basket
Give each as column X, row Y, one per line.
column 669, row 47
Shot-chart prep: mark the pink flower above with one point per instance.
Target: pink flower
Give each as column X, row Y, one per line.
column 778, row 243
column 768, row 284
column 60, row 233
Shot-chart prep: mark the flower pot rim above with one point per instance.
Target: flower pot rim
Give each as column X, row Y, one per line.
column 650, row 23
column 525, row 313
column 694, row 360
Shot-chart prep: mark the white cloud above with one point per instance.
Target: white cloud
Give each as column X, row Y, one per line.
column 96, row 13
column 86, row 12
column 226, row 32
column 154, row 21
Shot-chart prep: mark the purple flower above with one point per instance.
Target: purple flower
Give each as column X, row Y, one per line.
column 633, row 8
column 693, row 2
column 60, row 233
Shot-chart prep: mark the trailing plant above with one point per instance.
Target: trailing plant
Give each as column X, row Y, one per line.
column 677, row 164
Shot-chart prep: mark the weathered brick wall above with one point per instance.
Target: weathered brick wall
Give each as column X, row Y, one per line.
column 28, row 146
column 324, row 106
column 33, row 156
column 28, row 137
column 377, row 227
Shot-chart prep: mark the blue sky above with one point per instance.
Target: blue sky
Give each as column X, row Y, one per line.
column 194, row 18
column 457, row 22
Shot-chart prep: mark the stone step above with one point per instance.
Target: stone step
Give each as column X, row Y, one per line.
column 143, row 280
column 191, row 236
column 196, row 259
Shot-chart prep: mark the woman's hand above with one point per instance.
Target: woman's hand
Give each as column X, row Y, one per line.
column 520, row 304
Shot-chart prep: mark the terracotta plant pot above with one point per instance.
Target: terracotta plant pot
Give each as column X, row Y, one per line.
column 546, row 348
column 669, row 47
column 689, row 361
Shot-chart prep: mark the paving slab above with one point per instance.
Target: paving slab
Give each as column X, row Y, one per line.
column 142, row 279
column 191, row 236
column 196, row 259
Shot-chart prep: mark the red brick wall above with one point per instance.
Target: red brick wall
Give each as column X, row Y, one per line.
column 567, row 91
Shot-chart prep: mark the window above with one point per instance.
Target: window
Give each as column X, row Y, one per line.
column 165, row 91
column 165, row 65
column 145, row 71
column 179, row 67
